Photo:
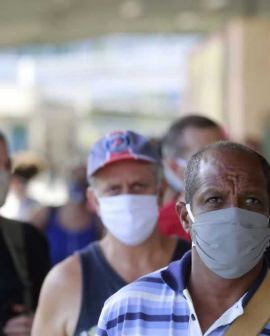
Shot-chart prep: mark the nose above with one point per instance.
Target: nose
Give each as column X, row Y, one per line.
column 125, row 189
column 234, row 201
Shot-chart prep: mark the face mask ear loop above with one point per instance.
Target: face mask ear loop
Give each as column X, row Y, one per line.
column 190, row 212
column 192, row 219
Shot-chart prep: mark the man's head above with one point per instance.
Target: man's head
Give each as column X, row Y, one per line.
column 5, row 168
column 119, row 154
column 227, row 195
column 224, row 162
column 185, row 137
column 124, row 174
column 77, row 183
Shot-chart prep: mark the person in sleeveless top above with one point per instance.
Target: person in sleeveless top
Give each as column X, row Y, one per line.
column 124, row 173
column 72, row 226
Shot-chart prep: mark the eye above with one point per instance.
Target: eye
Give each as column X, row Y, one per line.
column 112, row 190
column 138, row 187
column 214, row 200
column 252, row 200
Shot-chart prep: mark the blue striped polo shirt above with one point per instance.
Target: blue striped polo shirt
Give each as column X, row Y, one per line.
column 158, row 304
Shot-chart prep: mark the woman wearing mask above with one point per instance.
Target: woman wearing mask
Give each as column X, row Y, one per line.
column 73, row 225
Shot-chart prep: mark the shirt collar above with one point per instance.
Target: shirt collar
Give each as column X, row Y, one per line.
column 176, row 274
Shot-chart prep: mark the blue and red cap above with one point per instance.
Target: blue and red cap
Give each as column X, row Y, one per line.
column 119, row 146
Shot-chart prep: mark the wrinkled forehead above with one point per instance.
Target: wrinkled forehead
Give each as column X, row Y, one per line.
column 219, row 166
column 126, row 168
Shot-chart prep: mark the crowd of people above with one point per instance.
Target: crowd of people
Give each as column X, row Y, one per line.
column 164, row 237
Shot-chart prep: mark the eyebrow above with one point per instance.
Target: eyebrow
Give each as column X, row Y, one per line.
column 209, row 190
column 112, row 184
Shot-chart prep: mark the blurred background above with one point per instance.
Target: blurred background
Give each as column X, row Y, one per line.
column 72, row 70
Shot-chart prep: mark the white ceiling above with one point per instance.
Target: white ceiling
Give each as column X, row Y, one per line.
column 35, row 21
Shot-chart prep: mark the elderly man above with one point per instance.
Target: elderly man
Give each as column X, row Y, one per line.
column 222, row 286
column 185, row 137
column 124, row 173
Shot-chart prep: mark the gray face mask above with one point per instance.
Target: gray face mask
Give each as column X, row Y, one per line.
column 231, row 241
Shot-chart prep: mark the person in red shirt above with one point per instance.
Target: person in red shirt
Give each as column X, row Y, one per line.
column 185, row 137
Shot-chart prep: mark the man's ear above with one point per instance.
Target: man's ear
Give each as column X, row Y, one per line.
column 183, row 215
column 92, row 201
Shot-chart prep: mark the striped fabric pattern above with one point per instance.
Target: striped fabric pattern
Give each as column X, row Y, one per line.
column 153, row 305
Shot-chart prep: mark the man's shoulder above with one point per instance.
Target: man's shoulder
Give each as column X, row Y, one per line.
column 33, row 239
column 59, row 300
column 28, row 229
column 135, row 306
column 14, row 222
column 150, row 288
column 63, row 280
column 65, row 273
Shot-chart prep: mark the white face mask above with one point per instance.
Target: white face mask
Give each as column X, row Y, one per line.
column 174, row 181
column 130, row 218
column 4, row 185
